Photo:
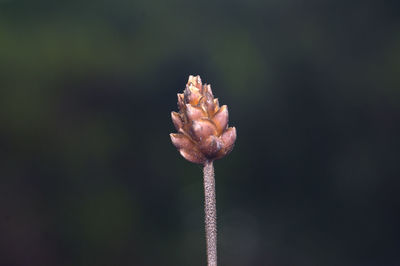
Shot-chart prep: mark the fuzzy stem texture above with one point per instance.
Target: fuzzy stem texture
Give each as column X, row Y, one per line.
column 210, row 210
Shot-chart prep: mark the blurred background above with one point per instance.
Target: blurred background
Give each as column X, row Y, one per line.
column 88, row 175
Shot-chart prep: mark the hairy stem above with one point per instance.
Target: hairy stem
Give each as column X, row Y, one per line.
column 210, row 210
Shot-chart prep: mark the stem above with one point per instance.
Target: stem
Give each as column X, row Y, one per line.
column 210, row 210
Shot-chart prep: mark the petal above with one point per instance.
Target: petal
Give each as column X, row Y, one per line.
column 229, row 138
column 195, row 80
column 192, row 156
column 176, row 119
column 192, row 94
column 181, row 141
column 220, row 118
column 209, row 89
column 216, row 103
column 202, row 129
column 193, row 113
column 181, row 101
column 209, row 103
column 211, row 146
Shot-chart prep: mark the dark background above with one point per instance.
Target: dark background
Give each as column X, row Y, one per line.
column 88, row 173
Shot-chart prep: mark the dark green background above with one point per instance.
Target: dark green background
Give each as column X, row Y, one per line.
column 88, row 175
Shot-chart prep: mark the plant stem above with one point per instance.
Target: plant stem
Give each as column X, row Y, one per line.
column 210, row 210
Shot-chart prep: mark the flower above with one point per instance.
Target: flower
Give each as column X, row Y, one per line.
column 203, row 132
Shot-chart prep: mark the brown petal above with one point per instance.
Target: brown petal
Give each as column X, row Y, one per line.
column 181, row 101
column 211, row 146
column 229, row 138
column 209, row 103
column 193, row 113
column 195, row 80
column 176, row 119
column 192, row 94
column 186, row 94
column 185, row 131
column 193, row 156
column 193, row 89
column 216, row 103
column 202, row 129
column 208, row 89
column 180, row 141
column 220, row 118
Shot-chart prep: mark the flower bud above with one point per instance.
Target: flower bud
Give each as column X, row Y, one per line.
column 203, row 132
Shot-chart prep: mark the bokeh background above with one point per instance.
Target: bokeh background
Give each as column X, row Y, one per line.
column 88, row 175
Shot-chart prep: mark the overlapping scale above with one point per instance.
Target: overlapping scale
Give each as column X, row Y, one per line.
column 203, row 132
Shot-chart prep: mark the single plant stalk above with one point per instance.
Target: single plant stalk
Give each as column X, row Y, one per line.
column 203, row 135
column 210, row 211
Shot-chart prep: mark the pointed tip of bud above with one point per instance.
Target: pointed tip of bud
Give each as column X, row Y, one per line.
column 221, row 118
column 192, row 94
column 209, row 89
column 192, row 156
column 229, row 138
column 180, row 141
column 216, row 105
column 181, row 100
column 195, row 80
column 176, row 119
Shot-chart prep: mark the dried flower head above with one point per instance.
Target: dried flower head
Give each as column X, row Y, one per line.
column 203, row 132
